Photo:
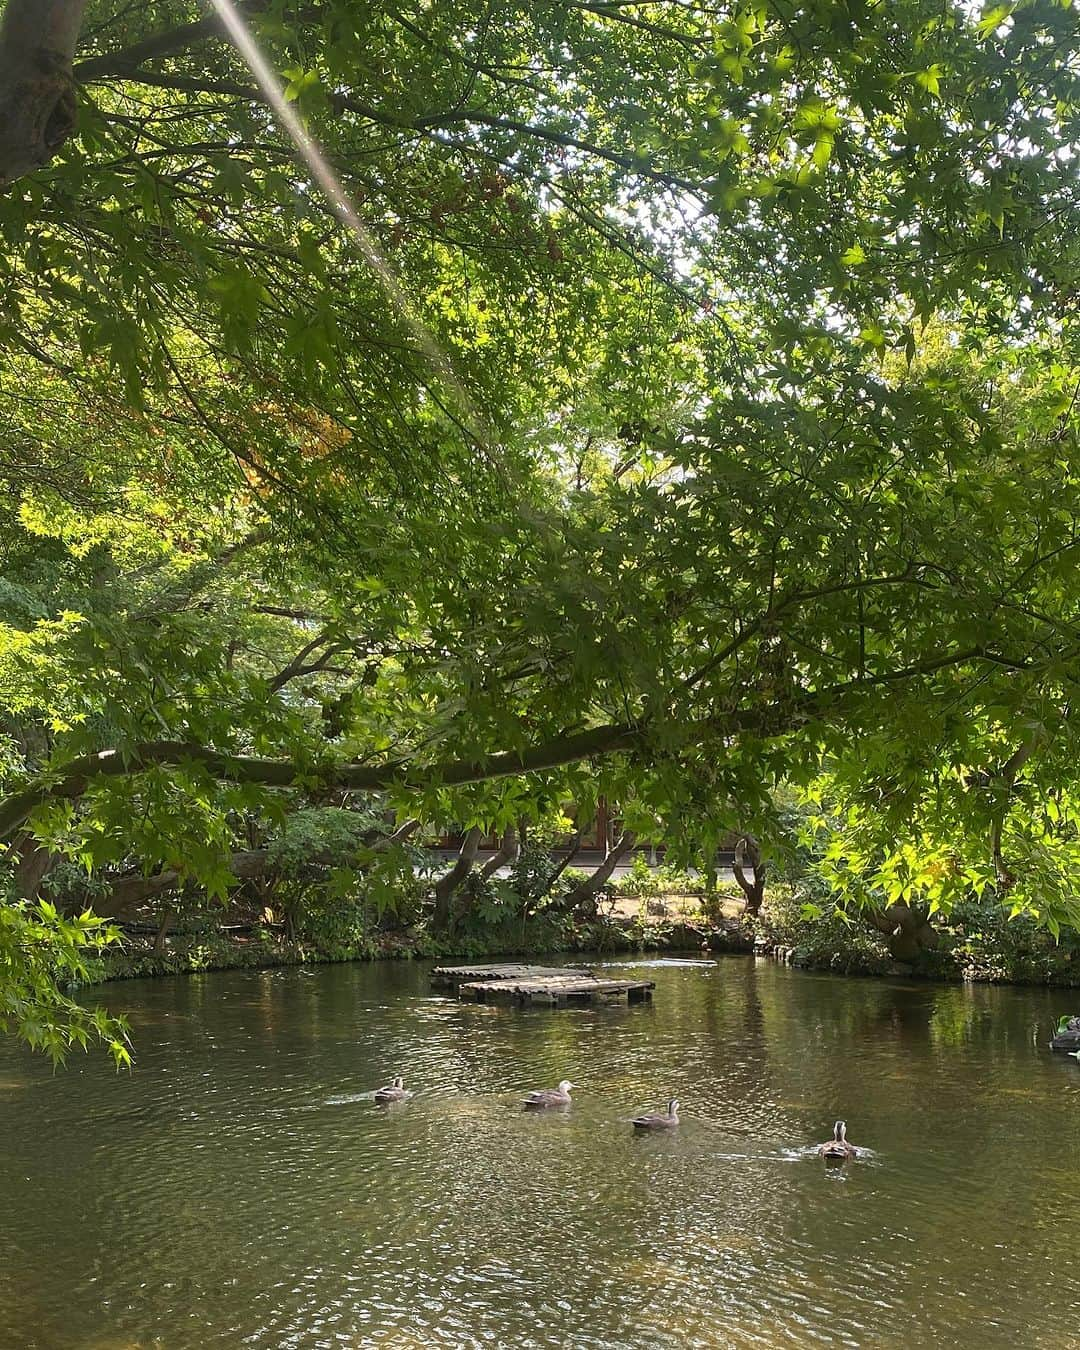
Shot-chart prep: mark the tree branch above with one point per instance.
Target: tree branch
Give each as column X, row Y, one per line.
column 1002, row 784
column 424, row 125
column 77, row 776
column 451, row 880
column 748, row 850
column 172, row 40
column 297, row 667
column 507, row 852
column 772, row 719
column 592, row 885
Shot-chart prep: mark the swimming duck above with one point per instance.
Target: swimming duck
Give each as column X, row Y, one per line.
column 393, row 1092
column 538, row 1101
column 838, row 1146
column 659, row 1122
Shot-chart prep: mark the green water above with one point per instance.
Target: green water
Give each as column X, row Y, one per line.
column 239, row 1189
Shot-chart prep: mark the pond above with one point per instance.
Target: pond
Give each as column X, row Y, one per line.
column 239, row 1189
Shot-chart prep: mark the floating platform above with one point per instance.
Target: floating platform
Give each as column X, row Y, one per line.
column 504, row 970
column 556, row 989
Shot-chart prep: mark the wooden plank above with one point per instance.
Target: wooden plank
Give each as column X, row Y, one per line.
column 555, row 989
column 505, row 970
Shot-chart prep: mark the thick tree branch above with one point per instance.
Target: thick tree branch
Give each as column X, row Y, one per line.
column 127, row 893
column 772, row 719
column 300, row 665
column 507, row 852
column 172, row 40
column 159, row 44
column 748, row 853
column 80, row 773
column 404, row 831
column 593, row 885
column 564, row 863
column 181, row 594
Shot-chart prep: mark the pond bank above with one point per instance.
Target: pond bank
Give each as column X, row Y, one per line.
column 196, row 952
column 981, row 947
column 977, row 943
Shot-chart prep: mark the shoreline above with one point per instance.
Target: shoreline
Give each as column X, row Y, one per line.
column 199, row 953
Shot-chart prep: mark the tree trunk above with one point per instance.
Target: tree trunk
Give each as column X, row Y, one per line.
column 449, row 882
column 592, row 886
column 908, row 933
column 37, row 90
column 130, row 892
column 508, row 852
column 748, row 850
column 30, row 870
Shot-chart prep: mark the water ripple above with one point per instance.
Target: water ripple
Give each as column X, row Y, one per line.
column 242, row 1188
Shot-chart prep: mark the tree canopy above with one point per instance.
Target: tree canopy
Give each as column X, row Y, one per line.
column 696, row 411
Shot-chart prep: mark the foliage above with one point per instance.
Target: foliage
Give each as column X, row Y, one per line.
column 530, row 876
column 309, row 839
column 41, row 952
column 698, row 419
column 646, row 882
column 985, row 942
column 641, row 880
column 825, row 938
column 334, row 876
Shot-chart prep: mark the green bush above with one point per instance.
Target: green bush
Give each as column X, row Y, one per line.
column 986, row 944
column 647, row 883
column 823, row 940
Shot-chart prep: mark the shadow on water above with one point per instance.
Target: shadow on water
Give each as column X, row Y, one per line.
column 241, row 1186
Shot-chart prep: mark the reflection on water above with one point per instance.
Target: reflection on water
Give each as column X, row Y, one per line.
column 240, row 1188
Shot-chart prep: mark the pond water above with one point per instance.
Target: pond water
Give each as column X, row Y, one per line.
column 239, row 1189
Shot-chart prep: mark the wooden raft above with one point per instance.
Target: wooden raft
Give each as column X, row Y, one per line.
column 504, row 970
column 556, row 989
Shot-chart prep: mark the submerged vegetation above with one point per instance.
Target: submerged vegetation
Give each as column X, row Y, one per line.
column 692, row 423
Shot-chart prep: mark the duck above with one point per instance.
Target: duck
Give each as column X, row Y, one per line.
column 659, row 1122
column 393, row 1092
column 1075, row 1054
column 838, row 1148
column 539, row 1101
